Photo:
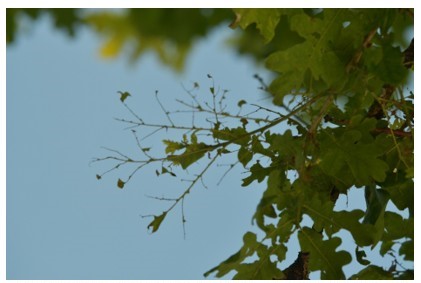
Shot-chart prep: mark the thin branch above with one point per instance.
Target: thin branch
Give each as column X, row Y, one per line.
column 183, row 218
column 175, row 127
column 161, row 198
column 163, row 109
column 187, row 191
column 231, row 166
column 132, row 112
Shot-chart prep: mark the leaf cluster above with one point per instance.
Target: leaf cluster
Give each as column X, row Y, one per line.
column 341, row 92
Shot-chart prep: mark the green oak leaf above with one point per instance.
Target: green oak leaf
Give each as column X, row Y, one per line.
column 266, row 20
column 396, row 227
column 244, row 155
column 258, row 173
column 407, row 250
column 234, row 261
column 323, row 254
column 236, row 135
column 262, row 269
column 360, row 255
column 124, row 95
column 173, row 146
column 156, row 222
column 363, row 234
column 348, row 150
column 192, row 153
column 402, row 194
column 372, row 272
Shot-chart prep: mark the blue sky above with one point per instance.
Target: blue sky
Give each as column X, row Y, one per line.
column 62, row 223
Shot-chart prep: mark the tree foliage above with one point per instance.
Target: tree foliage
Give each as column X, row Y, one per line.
column 341, row 87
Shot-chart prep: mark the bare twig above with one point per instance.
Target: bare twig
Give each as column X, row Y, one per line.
column 167, row 113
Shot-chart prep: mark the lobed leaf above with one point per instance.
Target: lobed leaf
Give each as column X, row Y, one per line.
column 156, row 222
column 323, row 254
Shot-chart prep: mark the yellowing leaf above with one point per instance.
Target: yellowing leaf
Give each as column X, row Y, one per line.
column 113, row 47
column 120, row 184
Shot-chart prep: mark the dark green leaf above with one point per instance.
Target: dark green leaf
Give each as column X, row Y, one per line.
column 244, row 155
column 390, row 68
column 372, row 272
column 360, row 255
column 402, row 194
column 363, row 234
column 262, row 269
column 376, row 200
column 407, row 250
column 396, row 227
column 234, row 261
column 406, row 275
column 323, row 254
column 385, row 247
column 364, row 163
column 258, row 173
column 266, row 20
column 166, row 171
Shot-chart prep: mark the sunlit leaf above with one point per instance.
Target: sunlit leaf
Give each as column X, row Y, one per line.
column 266, row 20
column 173, row 146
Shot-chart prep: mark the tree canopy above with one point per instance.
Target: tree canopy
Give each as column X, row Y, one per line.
column 342, row 86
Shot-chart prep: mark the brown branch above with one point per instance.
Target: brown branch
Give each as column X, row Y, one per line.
column 299, row 269
column 398, row 133
column 357, row 56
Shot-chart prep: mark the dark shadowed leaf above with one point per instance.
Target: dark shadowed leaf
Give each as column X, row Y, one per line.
column 361, row 256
